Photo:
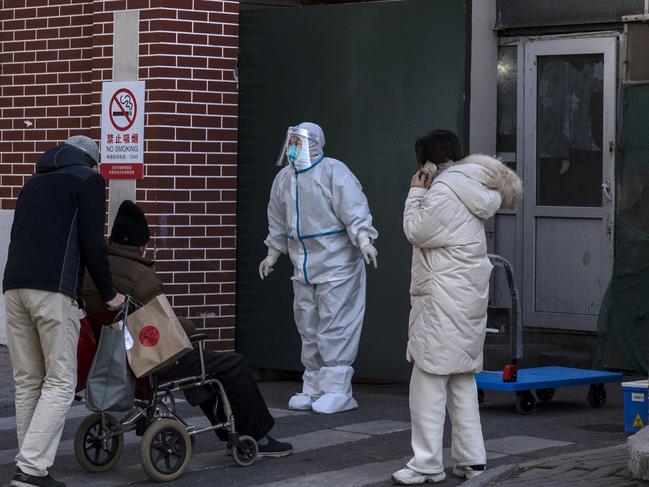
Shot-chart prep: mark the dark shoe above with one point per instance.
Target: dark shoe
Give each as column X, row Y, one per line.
column 274, row 448
column 22, row 479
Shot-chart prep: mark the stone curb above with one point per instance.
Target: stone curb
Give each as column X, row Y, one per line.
column 506, row 472
column 638, row 454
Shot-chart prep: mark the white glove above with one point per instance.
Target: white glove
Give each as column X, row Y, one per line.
column 266, row 265
column 367, row 249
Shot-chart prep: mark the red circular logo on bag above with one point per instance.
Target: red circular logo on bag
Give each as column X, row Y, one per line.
column 149, row 336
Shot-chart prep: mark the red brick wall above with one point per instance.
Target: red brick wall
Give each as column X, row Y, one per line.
column 54, row 56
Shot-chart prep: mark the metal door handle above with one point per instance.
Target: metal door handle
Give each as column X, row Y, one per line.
column 607, row 193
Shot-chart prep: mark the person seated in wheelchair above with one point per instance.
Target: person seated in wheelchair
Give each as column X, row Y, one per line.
column 134, row 275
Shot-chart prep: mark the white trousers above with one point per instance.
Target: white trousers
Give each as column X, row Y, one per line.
column 329, row 318
column 42, row 334
column 430, row 397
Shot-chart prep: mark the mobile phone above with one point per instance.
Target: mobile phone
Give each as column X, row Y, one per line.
column 430, row 169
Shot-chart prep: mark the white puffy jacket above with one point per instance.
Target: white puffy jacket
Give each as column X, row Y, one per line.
column 450, row 269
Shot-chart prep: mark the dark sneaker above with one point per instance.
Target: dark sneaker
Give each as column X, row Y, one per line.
column 274, row 448
column 22, row 479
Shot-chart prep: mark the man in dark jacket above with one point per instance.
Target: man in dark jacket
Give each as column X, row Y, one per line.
column 58, row 231
column 134, row 276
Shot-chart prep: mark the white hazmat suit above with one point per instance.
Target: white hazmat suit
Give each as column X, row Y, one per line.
column 319, row 215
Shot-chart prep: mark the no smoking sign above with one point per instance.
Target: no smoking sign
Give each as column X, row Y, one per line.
column 123, row 109
column 122, row 129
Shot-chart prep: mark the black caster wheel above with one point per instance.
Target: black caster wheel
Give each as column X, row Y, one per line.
column 545, row 395
column 525, row 402
column 246, row 452
column 98, row 445
column 166, row 450
column 596, row 395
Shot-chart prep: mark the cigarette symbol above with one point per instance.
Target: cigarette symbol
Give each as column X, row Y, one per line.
column 127, row 104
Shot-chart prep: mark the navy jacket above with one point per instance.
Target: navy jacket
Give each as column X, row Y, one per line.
column 58, row 227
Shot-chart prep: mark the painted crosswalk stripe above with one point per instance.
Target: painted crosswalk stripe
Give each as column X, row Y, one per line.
column 359, row 475
column 366, row 474
column 281, row 413
column 322, row 439
column 218, row 459
column 515, row 445
column 378, row 427
column 66, row 447
column 9, row 422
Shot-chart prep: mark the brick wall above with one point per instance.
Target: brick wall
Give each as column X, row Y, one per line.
column 55, row 55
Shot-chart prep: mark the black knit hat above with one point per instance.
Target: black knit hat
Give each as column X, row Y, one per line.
column 130, row 226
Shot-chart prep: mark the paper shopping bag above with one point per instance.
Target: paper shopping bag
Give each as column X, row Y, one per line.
column 157, row 337
column 110, row 385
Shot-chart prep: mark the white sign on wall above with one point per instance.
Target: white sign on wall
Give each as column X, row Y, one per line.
column 6, row 219
column 122, row 129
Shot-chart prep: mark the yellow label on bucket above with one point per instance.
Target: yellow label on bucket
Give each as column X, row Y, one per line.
column 637, row 422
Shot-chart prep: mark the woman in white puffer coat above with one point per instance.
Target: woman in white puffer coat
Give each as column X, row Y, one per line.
column 447, row 205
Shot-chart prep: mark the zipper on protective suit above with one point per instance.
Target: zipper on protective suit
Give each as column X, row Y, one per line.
column 301, row 237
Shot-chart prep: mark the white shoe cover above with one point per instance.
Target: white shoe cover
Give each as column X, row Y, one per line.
column 405, row 476
column 300, row 402
column 334, row 403
column 311, row 383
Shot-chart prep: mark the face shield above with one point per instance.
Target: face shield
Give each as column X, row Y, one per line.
column 295, row 150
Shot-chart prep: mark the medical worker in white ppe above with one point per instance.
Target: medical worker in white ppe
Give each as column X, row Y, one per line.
column 319, row 216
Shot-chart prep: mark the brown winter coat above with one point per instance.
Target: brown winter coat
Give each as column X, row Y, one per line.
column 133, row 275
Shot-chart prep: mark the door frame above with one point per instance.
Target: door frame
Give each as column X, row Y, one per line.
column 606, row 44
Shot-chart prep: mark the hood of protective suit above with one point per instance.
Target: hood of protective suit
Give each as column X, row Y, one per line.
column 316, row 139
column 483, row 184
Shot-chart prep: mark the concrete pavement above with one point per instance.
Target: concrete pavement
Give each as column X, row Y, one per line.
column 563, row 442
column 6, row 379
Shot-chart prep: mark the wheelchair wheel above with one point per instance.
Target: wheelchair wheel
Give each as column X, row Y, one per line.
column 94, row 451
column 246, row 453
column 166, row 450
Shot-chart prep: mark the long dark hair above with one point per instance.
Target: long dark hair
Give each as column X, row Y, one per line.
column 438, row 147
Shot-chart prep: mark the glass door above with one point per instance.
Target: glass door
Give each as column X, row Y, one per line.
column 569, row 136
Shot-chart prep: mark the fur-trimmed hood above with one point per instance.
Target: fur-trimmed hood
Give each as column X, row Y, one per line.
column 474, row 180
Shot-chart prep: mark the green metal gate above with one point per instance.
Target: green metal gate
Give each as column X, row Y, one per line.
column 375, row 76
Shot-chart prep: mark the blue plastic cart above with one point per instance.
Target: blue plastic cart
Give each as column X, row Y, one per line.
column 542, row 380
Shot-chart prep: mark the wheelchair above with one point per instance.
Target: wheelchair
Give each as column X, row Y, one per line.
column 167, row 440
